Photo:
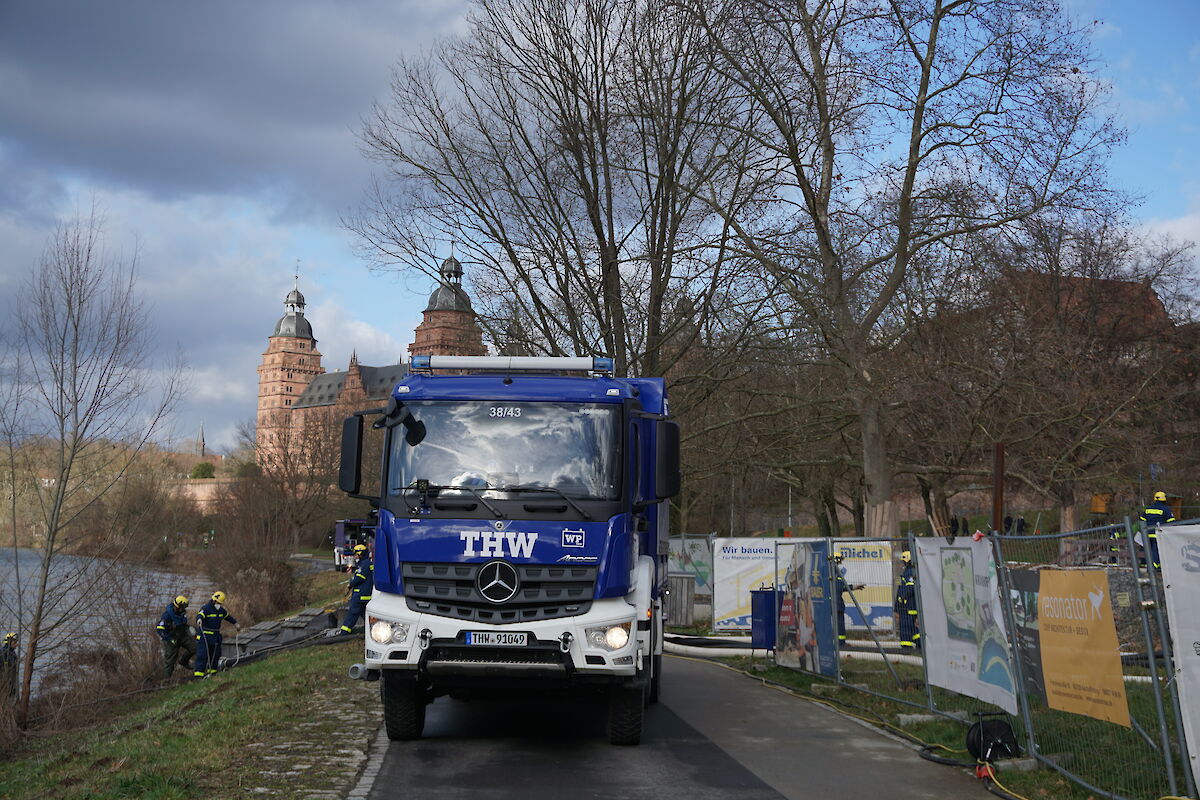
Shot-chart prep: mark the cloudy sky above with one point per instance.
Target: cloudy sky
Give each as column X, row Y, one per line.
column 219, row 140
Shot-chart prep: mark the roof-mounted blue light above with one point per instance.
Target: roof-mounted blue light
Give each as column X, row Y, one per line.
column 419, row 364
column 603, row 366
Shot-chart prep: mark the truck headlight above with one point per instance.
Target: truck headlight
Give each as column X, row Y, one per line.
column 384, row 632
column 608, row 637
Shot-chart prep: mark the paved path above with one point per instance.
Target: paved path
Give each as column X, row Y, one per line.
column 716, row 734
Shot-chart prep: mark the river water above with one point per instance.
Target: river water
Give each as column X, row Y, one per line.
column 92, row 602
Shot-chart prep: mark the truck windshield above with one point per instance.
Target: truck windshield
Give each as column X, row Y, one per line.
column 502, row 448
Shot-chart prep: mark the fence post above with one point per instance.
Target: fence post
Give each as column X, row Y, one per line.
column 1151, row 660
column 1014, row 650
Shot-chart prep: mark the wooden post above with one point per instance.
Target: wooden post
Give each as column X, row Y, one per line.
column 998, row 488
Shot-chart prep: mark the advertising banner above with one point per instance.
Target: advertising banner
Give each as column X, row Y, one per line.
column 739, row 567
column 964, row 636
column 870, row 564
column 691, row 555
column 1179, row 551
column 805, row 632
column 1023, row 586
column 1081, row 660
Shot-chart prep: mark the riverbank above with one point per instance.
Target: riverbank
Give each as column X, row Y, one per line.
column 291, row 726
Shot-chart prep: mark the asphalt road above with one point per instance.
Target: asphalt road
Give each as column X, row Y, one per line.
column 715, row 734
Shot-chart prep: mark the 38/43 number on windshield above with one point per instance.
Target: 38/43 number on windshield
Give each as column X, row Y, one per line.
column 504, row 411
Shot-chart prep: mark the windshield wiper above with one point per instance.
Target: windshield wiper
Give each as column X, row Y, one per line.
column 547, row 490
column 434, row 489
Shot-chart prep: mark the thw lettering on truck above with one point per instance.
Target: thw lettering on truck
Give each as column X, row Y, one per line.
column 497, row 544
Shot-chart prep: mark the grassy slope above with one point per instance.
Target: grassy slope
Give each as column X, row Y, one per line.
column 203, row 739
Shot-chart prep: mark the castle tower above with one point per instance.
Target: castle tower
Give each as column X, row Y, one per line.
column 289, row 364
column 448, row 326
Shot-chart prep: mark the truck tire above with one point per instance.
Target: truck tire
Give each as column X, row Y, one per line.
column 403, row 706
column 655, row 680
column 626, row 706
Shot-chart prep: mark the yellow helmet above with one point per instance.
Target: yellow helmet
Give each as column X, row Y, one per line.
column 181, row 600
column 837, row 556
column 1160, row 497
column 906, row 557
column 219, row 597
column 10, row 637
column 360, row 549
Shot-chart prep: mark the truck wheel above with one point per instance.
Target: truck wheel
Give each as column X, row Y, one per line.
column 403, row 706
column 655, row 680
column 625, row 708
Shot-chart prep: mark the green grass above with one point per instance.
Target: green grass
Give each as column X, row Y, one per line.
column 197, row 740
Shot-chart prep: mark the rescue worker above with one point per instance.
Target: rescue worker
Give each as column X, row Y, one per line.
column 178, row 646
column 1155, row 514
column 840, row 587
column 10, row 663
column 905, row 605
column 208, row 634
column 362, row 581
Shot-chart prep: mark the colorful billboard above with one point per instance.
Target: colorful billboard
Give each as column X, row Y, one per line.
column 739, row 567
column 804, row 631
column 966, row 648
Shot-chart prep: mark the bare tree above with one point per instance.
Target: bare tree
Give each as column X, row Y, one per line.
column 564, row 157
column 90, row 408
column 895, row 129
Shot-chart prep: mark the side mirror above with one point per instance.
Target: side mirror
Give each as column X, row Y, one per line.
column 350, row 473
column 666, row 448
column 396, row 414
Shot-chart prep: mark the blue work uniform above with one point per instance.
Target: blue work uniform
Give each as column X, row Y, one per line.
column 178, row 646
column 1155, row 514
column 208, row 637
column 839, row 590
column 906, row 607
column 9, row 667
column 362, row 581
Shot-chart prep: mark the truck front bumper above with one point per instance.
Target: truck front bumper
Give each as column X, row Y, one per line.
column 555, row 648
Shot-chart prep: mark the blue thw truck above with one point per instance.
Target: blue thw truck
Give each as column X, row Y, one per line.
column 521, row 540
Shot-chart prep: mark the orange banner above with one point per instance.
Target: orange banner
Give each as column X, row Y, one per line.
column 1081, row 662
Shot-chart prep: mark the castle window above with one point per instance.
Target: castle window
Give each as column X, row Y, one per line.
column 288, row 402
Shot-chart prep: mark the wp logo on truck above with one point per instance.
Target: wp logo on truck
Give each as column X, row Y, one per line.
column 494, row 544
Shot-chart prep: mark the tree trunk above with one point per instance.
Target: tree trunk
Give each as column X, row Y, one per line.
column 1068, row 514
column 877, row 473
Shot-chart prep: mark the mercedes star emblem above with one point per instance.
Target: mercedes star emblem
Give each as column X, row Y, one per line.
column 497, row 581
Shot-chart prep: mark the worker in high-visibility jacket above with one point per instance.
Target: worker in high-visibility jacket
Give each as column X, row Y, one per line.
column 1153, row 515
column 208, row 634
column 840, row 587
column 178, row 646
column 362, row 581
column 905, row 605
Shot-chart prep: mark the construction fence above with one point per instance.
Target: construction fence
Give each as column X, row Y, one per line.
column 1065, row 634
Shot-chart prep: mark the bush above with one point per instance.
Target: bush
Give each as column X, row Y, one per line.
column 204, row 470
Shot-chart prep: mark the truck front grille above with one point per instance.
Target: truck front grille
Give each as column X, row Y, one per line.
column 546, row 592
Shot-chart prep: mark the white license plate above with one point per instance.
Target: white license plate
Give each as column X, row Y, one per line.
column 494, row 638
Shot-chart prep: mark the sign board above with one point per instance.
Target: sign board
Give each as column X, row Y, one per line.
column 869, row 563
column 691, row 555
column 1081, row 659
column 1179, row 551
column 804, row 632
column 966, row 648
column 739, row 567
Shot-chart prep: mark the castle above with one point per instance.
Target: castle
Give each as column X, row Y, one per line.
column 294, row 390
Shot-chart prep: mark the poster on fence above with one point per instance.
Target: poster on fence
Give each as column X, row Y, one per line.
column 1023, row 599
column 739, row 567
column 1179, row 551
column 966, row 648
column 869, row 564
column 691, row 555
column 1081, row 660
column 804, row 635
